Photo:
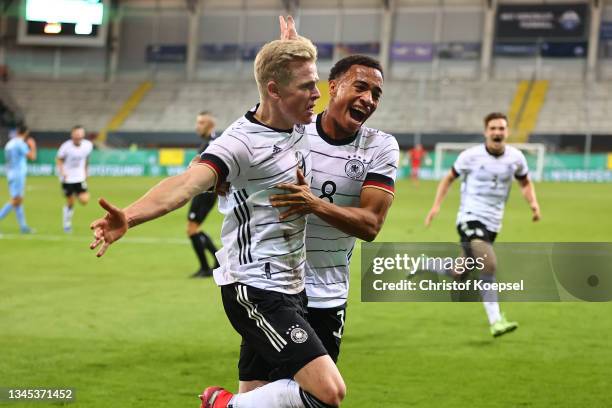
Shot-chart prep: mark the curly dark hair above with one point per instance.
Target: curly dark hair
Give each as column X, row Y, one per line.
column 347, row 62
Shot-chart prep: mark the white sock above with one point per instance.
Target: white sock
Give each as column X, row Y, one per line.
column 278, row 394
column 68, row 211
column 493, row 312
column 489, row 299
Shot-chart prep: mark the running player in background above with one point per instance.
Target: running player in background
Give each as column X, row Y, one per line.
column 417, row 154
column 352, row 189
column 72, row 167
column 202, row 204
column 487, row 171
column 16, row 153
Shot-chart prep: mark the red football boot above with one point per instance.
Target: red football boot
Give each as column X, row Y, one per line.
column 215, row 397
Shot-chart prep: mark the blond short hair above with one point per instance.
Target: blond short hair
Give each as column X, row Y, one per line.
column 272, row 61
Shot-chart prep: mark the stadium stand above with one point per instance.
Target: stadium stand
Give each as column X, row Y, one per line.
column 573, row 106
column 427, row 91
column 408, row 106
column 56, row 105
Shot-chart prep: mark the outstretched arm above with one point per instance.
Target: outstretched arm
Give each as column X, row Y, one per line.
column 363, row 222
column 170, row 194
column 528, row 191
column 440, row 196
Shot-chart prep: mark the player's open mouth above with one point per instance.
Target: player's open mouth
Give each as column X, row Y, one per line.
column 357, row 115
column 497, row 139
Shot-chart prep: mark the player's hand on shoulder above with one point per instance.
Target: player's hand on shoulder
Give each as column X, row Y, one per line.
column 298, row 198
column 109, row 228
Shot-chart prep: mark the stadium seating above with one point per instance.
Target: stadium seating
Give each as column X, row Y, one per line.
column 59, row 105
column 407, row 106
column 576, row 107
column 172, row 106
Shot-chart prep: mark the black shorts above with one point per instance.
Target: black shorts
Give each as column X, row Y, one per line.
column 74, row 188
column 329, row 325
column 277, row 340
column 471, row 230
column 201, row 206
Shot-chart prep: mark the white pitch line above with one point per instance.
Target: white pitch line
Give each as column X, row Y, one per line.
column 89, row 238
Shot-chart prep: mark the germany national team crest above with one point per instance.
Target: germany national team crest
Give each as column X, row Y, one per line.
column 300, row 161
column 354, row 169
column 297, row 334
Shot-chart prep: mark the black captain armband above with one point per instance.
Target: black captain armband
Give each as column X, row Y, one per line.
column 216, row 164
column 523, row 177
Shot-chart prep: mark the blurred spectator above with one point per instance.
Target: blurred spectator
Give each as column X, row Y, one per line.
column 417, row 154
column 4, row 74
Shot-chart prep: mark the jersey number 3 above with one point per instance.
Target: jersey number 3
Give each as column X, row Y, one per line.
column 338, row 334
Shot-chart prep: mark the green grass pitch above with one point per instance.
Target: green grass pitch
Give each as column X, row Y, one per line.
column 131, row 330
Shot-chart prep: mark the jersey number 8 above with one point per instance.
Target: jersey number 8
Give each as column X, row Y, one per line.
column 328, row 189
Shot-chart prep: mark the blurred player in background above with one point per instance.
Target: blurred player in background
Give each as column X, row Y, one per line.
column 354, row 170
column 487, row 171
column 16, row 153
column 202, row 204
column 72, row 167
column 416, row 155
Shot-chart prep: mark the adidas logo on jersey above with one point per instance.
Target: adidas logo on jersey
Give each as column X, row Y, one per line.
column 276, row 149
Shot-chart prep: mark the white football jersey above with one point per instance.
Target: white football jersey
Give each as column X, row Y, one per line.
column 75, row 160
column 259, row 249
column 486, row 182
column 341, row 169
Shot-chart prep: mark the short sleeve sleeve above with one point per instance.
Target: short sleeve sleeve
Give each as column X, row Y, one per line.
column 461, row 166
column 91, row 147
column 228, row 155
column 522, row 168
column 61, row 153
column 383, row 170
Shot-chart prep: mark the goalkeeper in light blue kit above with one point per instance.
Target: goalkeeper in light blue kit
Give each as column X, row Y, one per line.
column 16, row 153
